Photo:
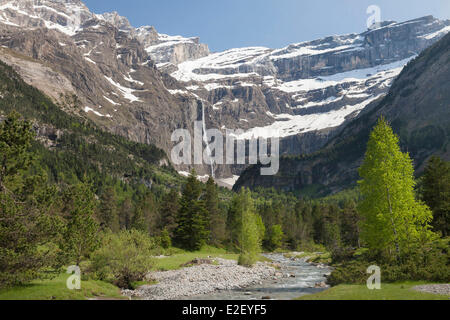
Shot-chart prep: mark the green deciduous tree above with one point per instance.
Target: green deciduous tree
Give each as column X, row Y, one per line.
column 275, row 237
column 250, row 229
column 393, row 219
column 124, row 257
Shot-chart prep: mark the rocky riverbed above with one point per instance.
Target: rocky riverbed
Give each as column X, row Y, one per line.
column 224, row 279
column 443, row 289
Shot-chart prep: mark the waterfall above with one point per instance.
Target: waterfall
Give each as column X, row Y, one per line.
column 205, row 140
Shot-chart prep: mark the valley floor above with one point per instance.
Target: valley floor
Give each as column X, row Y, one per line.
column 388, row 291
column 56, row 289
column 175, row 278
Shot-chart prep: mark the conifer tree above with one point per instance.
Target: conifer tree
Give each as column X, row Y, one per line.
column 393, row 219
column 150, row 213
column 349, row 224
column 81, row 235
column 217, row 219
column 436, row 193
column 193, row 221
column 139, row 222
column 168, row 212
column 126, row 214
column 107, row 212
column 26, row 202
column 234, row 220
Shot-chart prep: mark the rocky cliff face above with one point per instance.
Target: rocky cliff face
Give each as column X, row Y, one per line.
column 418, row 108
column 114, row 79
column 164, row 50
column 307, row 86
column 143, row 85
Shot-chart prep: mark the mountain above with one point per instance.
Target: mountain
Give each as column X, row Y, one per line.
column 70, row 148
column 65, row 51
column 306, row 87
column 143, row 85
column 162, row 48
column 418, row 108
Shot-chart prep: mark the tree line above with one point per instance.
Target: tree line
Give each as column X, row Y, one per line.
column 44, row 224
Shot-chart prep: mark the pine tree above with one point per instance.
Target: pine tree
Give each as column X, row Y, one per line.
column 81, row 236
column 139, row 222
column 217, row 219
column 305, row 222
column 436, row 193
column 168, row 212
column 126, row 214
column 26, row 206
column 234, row 220
column 318, row 214
column 150, row 213
column 107, row 212
column 331, row 226
column 393, row 219
column 349, row 224
column 192, row 232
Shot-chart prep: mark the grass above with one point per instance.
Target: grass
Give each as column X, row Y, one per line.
column 180, row 257
column 388, row 291
column 56, row 289
column 137, row 284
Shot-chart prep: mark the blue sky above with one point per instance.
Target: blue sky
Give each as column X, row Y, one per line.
column 228, row 24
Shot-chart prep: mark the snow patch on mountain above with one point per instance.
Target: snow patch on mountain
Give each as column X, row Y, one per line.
column 379, row 73
column 288, row 125
column 88, row 109
column 126, row 92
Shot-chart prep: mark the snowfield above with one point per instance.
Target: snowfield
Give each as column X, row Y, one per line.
column 288, row 125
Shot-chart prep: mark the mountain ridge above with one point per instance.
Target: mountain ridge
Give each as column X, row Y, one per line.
column 418, row 109
column 143, row 85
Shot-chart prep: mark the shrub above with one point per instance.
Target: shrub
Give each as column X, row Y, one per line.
column 123, row 258
column 247, row 259
column 165, row 240
column 430, row 263
column 274, row 238
column 340, row 254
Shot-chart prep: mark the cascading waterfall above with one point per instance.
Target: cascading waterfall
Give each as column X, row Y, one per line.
column 205, row 140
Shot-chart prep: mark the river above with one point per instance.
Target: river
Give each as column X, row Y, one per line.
column 299, row 278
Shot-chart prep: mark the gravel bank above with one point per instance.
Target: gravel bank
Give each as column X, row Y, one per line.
column 443, row 289
column 202, row 279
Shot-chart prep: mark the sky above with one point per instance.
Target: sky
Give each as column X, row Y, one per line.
column 225, row 24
